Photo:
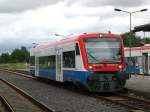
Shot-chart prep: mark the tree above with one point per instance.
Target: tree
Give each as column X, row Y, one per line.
column 5, row 58
column 26, row 54
column 135, row 40
column 146, row 40
column 20, row 55
column 17, row 56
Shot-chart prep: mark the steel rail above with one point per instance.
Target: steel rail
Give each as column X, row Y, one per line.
column 6, row 104
column 18, row 73
column 132, row 103
column 29, row 97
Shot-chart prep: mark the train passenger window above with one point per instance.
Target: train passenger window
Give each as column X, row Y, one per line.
column 32, row 60
column 52, row 62
column 47, row 62
column 77, row 49
column 69, row 59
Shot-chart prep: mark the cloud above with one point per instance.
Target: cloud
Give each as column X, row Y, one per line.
column 119, row 3
column 7, row 6
column 39, row 23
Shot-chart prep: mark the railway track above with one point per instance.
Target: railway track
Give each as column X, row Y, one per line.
column 134, row 104
column 4, row 105
column 19, row 100
column 18, row 73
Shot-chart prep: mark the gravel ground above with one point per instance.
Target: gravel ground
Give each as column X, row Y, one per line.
column 139, row 83
column 17, row 101
column 60, row 99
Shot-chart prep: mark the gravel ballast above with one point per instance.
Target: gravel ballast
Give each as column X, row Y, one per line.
column 60, row 99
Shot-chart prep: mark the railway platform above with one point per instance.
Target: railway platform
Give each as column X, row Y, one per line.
column 139, row 83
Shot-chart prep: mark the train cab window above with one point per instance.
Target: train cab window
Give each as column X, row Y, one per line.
column 69, row 59
column 32, row 60
column 77, row 49
column 103, row 50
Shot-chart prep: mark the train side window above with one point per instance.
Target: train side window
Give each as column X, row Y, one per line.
column 77, row 49
column 69, row 59
column 52, row 62
column 47, row 62
column 32, row 60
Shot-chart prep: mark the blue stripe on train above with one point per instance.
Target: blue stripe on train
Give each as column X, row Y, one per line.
column 68, row 75
column 80, row 76
column 47, row 73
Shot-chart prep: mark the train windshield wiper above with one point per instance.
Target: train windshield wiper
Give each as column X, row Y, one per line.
column 91, row 56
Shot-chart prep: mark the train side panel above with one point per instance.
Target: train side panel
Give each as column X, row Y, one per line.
column 72, row 69
column 45, row 66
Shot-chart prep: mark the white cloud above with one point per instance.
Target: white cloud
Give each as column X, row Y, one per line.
column 40, row 23
column 119, row 3
column 8, row 6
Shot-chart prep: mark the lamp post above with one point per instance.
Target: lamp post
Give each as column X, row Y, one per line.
column 130, row 13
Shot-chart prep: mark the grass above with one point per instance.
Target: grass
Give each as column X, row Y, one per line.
column 14, row 66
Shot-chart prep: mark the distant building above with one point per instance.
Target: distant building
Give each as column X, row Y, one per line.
column 139, row 62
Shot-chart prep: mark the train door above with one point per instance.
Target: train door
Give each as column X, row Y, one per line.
column 149, row 64
column 59, row 73
column 36, row 66
column 145, row 63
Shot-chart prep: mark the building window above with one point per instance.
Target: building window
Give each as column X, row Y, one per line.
column 69, row 59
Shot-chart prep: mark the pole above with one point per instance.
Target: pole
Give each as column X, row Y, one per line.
column 145, row 59
column 130, row 38
column 130, row 33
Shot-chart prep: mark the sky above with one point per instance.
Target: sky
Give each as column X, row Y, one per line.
column 24, row 22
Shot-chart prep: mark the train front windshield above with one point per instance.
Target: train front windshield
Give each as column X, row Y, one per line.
column 103, row 50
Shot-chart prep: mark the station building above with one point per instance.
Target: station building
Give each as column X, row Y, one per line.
column 139, row 62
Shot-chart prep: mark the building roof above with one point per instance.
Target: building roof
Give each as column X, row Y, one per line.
column 138, row 48
column 145, row 28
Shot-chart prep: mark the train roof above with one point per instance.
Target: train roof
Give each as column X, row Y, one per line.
column 73, row 39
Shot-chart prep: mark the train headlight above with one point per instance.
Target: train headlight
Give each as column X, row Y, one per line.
column 100, row 35
column 120, row 66
column 90, row 67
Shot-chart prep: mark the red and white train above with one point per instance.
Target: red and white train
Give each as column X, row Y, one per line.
column 95, row 61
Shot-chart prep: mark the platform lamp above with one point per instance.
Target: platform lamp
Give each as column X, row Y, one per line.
column 130, row 14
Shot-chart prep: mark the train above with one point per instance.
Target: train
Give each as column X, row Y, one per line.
column 94, row 61
column 138, row 60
